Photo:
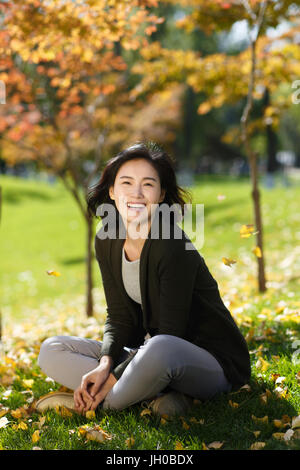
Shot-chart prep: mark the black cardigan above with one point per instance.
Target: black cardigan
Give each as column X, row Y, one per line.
column 179, row 297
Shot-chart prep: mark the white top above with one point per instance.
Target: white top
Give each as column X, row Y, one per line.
column 131, row 277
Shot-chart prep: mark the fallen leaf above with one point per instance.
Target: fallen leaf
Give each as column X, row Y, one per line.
column 63, row 411
column 129, row 442
column 145, row 412
column 257, row 445
column 215, row 445
column 233, row 404
column 288, row 434
column 28, row 383
column 278, row 435
column 296, row 422
column 262, row 364
column 263, row 420
column 3, row 422
column 35, row 436
column 178, row 446
column 90, row 414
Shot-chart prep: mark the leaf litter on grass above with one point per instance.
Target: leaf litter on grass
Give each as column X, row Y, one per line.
column 260, row 317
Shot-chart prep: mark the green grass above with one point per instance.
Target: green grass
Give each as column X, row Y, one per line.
column 42, row 229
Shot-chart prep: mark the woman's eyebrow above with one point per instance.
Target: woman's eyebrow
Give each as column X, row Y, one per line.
column 145, row 178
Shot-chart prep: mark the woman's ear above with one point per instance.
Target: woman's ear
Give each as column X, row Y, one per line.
column 111, row 192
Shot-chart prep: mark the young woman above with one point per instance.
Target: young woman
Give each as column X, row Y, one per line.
column 168, row 337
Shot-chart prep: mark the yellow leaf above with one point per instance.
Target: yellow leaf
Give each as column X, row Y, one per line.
column 129, row 442
column 90, row 414
column 256, row 433
column 278, row 423
column 262, row 364
column 246, row 230
column 263, row 420
column 257, row 251
column 63, row 411
column 22, row 426
column 228, row 262
column 146, row 411
column 185, row 425
column 233, row 404
column 204, row 447
column 3, row 412
column 257, row 445
column 215, row 445
column 178, row 446
column 28, row 383
column 16, row 413
column 278, row 435
column 97, row 434
column 35, row 436
column 53, row 273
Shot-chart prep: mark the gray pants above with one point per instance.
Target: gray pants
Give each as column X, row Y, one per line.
column 162, row 363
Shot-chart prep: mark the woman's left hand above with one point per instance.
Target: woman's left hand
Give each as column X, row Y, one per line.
column 100, row 396
column 84, row 404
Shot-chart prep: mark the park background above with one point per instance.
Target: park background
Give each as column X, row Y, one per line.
column 216, row 84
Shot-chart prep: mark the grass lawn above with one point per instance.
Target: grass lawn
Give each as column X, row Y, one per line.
column 41, row 229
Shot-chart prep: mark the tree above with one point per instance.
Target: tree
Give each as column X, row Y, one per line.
column 67, row 104
column 265, row 63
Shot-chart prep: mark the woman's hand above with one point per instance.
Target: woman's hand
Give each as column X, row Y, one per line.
column 100, row 396
column 91, row 384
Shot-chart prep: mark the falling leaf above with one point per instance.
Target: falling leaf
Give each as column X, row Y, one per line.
column 53, row 273
column 257, row 251
column 257, row 445
column 228, row 262
column 247, row 230
column 35, row 436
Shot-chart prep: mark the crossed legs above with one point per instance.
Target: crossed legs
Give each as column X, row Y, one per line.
column 162, row 361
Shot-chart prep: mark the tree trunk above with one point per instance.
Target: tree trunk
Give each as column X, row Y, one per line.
column 89, row 265
column 255, row 193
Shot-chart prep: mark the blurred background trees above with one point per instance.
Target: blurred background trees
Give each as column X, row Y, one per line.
column 85, row 78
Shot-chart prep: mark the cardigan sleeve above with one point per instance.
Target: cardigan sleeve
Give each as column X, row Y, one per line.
column 177, row 272
column 119, row 324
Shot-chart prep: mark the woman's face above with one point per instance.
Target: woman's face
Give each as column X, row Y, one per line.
column 136, row 188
